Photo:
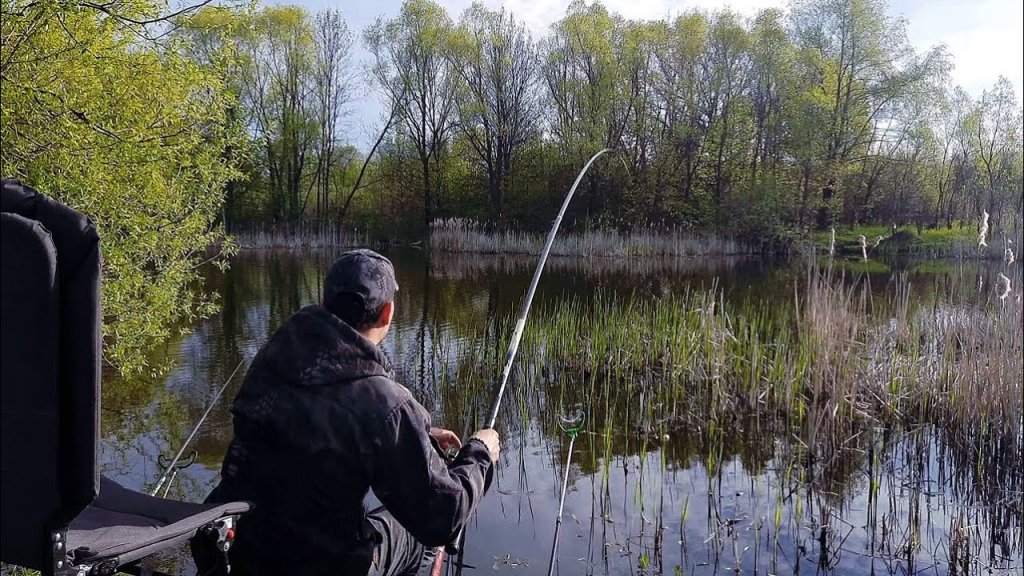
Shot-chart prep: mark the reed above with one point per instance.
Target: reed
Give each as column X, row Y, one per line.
column 297, row 236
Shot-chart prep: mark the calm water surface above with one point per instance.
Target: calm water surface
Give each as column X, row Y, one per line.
column 897, row 502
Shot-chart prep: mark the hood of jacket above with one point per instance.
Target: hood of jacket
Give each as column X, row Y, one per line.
column 316, row 347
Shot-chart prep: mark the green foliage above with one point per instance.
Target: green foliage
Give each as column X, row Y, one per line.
column 132, row 132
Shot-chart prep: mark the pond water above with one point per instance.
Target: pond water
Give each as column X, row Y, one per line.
column 672, row 496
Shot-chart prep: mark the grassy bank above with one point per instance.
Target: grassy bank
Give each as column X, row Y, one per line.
column 959, row 241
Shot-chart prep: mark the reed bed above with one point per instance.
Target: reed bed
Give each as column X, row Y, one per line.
column 460, row 235
column 838, row 358
column 841, row 384
column 298, row 236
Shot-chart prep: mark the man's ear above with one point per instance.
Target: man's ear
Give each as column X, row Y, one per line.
column 386, row 314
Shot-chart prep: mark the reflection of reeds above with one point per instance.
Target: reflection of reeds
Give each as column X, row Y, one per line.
column 297, row 236
column 463, row 266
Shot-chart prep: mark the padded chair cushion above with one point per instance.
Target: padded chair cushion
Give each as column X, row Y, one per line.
column 77, row 251
column 30, row 422
column 126, row 525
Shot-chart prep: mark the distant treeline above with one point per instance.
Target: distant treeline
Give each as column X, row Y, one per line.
column 754, row 127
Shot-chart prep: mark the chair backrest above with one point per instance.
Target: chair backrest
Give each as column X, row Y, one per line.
column 50, row 351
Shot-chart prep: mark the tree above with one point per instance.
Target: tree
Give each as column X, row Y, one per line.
column 277, row 48
column 411, row 68
column 333, row 79
column 588, row 69
column 771, row 56
column 497, row 68
column 678, row 96
column 951, row 152
column 725, row 71
column 132, row 132
column 995, row 131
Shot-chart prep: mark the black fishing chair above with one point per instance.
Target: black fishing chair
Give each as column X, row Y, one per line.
column 59, row 515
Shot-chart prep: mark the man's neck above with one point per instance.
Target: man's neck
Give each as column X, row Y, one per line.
column 375, row 335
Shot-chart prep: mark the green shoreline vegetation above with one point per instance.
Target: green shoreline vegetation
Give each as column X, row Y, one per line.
column 839, row 357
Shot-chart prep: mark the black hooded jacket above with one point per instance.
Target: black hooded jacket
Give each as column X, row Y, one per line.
column 318, row 422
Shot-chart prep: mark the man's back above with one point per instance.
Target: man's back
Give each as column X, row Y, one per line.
column 318, row 422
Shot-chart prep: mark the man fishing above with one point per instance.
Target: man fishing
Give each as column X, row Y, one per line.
column 318, row 422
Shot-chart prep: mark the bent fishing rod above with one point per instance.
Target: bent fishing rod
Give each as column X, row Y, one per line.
column 517, row 334
column 171, row 469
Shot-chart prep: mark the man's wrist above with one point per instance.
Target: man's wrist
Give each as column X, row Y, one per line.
column 480, row 442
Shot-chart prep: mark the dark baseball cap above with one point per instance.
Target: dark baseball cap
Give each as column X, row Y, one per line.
column 358, row 284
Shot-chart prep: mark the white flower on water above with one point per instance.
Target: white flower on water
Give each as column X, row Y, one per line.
column 984, row 229
column 863, row 247
column 1005, row 282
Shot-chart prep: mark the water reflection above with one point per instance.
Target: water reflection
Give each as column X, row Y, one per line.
column 647, row 493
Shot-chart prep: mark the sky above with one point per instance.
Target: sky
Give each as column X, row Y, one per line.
column 984, row 37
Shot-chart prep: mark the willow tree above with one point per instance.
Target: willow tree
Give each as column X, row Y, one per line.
column 868, row 66
column 412, row 69
column 496, row 63
column 277, row 49
column 333, row 82
column 726, row 71
column 678, row 95
column 102, row 111
column 590, row 72
column 995, row 131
